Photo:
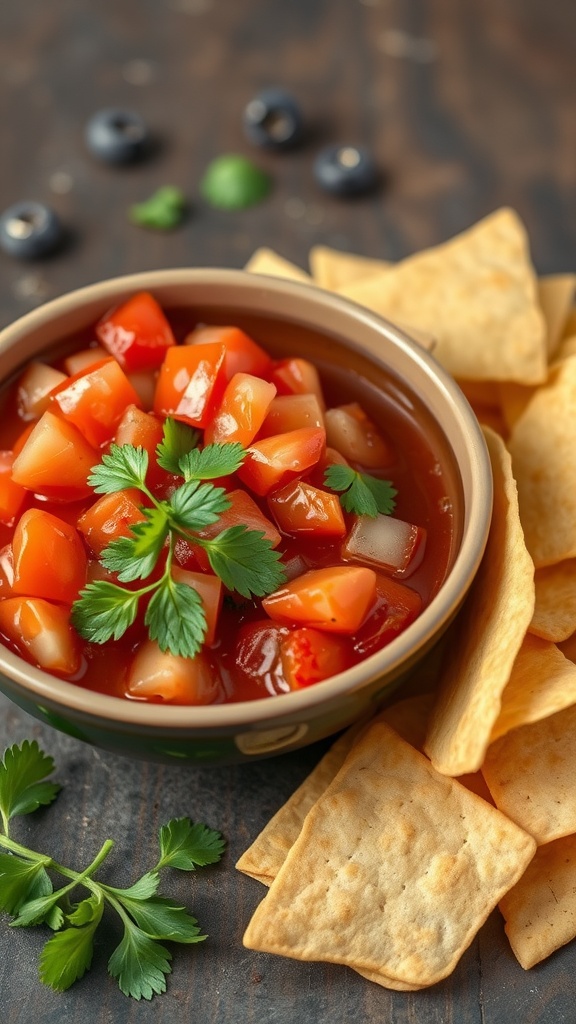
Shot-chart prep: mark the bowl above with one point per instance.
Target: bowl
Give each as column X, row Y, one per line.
column 358, row 347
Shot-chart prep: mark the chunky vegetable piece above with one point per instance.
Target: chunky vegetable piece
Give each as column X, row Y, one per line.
column 176, row 529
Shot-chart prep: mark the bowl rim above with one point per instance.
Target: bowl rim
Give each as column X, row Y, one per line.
column 291, row 300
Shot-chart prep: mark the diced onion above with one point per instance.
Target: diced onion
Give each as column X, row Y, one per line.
column 392, row 544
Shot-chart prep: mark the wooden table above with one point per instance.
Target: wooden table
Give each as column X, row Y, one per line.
column 467, row 105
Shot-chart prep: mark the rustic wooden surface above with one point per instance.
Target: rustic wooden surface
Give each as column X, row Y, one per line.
column 468, row 105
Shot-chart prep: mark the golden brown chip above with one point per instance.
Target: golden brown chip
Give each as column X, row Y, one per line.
column 555, row 610
column 333, row 269
column 513, row 399
column 530, row 773
column 543, row 681
column 543, row 449
column 488, row 634
column 266, row 261
column 477, row 294
column 566, row 348
column 394, row 871
column 555, row 294
column 540, row 911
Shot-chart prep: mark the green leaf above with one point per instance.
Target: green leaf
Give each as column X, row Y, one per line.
column 68, row 954
column 124, row 466
column 87, row 911
column 17, row 882
column 22, row 789
column 135, row 557
column 185, row 845
column 162, row 918
column 213, row 461
column 104, row 611
column 176, row 619
column 140, row 964
column 142, row 889
column 37, row 910
column 245, row 561
column 164, row 210
column 232, row 182
column 196, row 505
column 178, row 439
column 364, row 495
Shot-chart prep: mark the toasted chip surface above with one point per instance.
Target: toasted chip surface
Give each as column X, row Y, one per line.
column 334, row 269
column 556, row 294
column 542, row 682
column 490, row 631
column 266, row 261
column 477, row 294
column 555, row 609
column 394, row 871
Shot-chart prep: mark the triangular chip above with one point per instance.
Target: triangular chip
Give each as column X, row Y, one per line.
column 555, row 610
column 555, row 294
column 543, row 681
column 266, row 261
column 477, row 294
column 333, row 269
column 489, row 631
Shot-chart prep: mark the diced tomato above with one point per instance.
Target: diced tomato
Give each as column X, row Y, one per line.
column 309, row 656
column 243, row 511
column 354, row 435
column 21, row 439
column 241, row 411
column 395, row 607
column 12, row 495
column 136, row 333
column 210, row 589
column 275, row 460
column 55, row 460
column 6, row 571
column 337, row 598
column 41, row 632
column 49, row 558
column 386, row 543
column 144, row 384
column 111, row 517
column 143, row 430
column 243, row 355
column 79, row 362
column 164, row 677
column 289, row 412
column 34, row 387
column 301, row 508
column 95, row 399
column 297, row 377
column 191, row 383
column 258, row 659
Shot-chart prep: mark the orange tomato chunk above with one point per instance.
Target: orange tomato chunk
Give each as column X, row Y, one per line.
column 163, row 677
column 41, row 632
column 210, row 589
column 191, row 383
column 55, row 460
column 241, row 412
column 309, row 656
column 336, row 598
column 12, row 495
column 243, row 354
column 136, row 333
column 355, row 436
column 110, row 517
column 49, row 558
column 297, row 376
column 95, row 399
column 301, row 508
column 275, row 460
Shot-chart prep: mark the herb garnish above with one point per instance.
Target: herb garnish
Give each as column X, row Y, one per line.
column 243, row 559
column 362, row 494
column 140, row 962
column 164, row 210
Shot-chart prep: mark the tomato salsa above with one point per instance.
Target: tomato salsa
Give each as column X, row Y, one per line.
column 191, row 515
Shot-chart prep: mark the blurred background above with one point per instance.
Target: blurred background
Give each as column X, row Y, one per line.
column 465, row 105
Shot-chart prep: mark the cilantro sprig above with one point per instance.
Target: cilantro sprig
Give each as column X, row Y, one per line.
column 243, row 559
column 140, row 962
column 361, row 493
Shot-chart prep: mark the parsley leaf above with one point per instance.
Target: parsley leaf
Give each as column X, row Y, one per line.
column 163, row 211
column 363, row 494
column 104, row 611
column 212, row 461
column 176, row 619
column 162, row 918
column 178, row 439
column 140, row 964
column 245, row 561
column 196, row 505
column 184, row 845
column 17, row 882
column 135, row 557
column 124, row 466
column 22, row 788
column 68, row 954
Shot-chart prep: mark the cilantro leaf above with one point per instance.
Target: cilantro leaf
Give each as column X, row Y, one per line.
column 104, row 611
column 142, row 889
column 35, row 911
column 213, row 461
column 245, row 561
column 124, row 466
column 164, row 209
column 363, row 494
column 18, row 880
column 178, row 439
column 135, row 557
column 176, row 619
column 68, row 954
column 22, row 789
column 140, row 964
column 162, row 918
column 196, row 505
column 185, row 845
column 87, row 911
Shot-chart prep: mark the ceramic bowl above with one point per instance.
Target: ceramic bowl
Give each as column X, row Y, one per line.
column 289, row 318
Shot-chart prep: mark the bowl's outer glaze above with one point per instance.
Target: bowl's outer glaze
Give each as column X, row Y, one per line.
column 355, row 337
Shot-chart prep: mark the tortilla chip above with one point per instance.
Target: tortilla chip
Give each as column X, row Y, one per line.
column 540, row 911
column 543, row 681
column 543, row 449
column 530, row 773
column 395, row 869
column 489, row 630
column 566, row 348
column 477, row 294
column 555, row 610
column 555, row 294
column 513, row 399
column 333, row 269
column 266, row 261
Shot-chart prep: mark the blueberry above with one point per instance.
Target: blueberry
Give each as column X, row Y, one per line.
column 117, row 136
column 29, row 230
column 272, row 119
column 345, row 170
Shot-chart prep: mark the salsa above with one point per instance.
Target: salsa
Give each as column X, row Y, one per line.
column 188, row 515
